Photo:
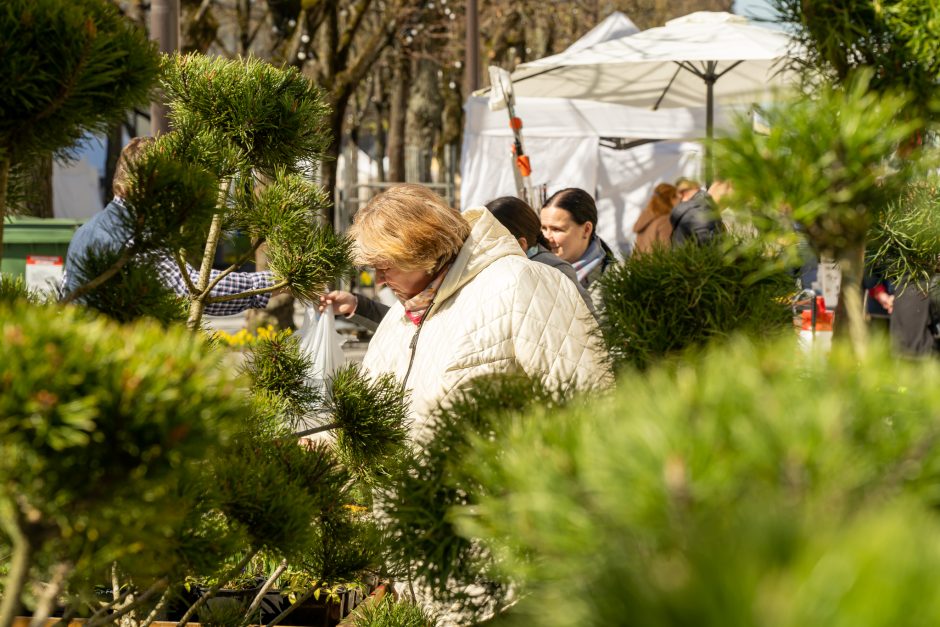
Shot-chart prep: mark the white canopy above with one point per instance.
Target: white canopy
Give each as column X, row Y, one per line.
column 614, row 26
column 663, row 67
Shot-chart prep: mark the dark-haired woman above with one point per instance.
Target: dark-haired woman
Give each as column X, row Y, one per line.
column 569, row 224
column 521, row 220
column 653, row 227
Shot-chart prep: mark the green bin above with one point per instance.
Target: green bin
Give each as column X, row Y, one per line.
column 25, row 236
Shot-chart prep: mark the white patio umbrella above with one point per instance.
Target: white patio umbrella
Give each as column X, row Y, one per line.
column 699, row 59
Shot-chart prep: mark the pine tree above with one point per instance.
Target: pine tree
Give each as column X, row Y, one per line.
column 256, row 132
column 67, row 68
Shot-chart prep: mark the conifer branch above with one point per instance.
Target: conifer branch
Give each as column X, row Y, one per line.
column 268, row 584
column 306, row 595
column 155, row 612
column 160, row 584
column 315, row 430
column 18, row 570
column 211, row 592
column 184, row 271
column 232, row 268
column 263, row 290
column 126, row 255
column 56, row 103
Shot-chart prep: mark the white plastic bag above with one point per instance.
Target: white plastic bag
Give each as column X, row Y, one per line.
column 320, row 342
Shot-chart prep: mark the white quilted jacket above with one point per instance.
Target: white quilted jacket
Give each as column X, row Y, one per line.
column 495, row 312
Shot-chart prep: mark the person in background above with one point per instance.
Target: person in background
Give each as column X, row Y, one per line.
column 105, row 229
column 523, row 223
column 653, row 226
column 695, row 218
column 470, row 304
column 569, row 224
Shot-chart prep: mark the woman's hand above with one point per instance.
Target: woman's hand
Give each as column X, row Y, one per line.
column 344, row 303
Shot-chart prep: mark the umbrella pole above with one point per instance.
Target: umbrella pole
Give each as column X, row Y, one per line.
column 710, row 78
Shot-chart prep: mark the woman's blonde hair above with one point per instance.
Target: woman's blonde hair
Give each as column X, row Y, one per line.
column 408, row 227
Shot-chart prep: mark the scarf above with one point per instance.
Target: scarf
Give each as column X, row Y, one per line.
column 593, row 258
column 417, row 305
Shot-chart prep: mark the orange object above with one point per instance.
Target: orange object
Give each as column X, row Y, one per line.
column 823, row 317
column 525, row 168
column 515, row 124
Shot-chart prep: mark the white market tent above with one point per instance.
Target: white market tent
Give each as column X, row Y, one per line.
column 563, row 140
column 568, row 102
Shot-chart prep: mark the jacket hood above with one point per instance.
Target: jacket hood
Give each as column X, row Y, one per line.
column 488, row 241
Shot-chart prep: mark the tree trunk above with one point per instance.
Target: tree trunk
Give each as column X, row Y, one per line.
column 328, row 165
column 424, row 114
column 397, row 120
column 197, row 304
column 4, row 184
column 850, row 317
column 38, row 200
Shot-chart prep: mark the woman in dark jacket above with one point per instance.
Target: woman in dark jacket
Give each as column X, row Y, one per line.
column 521, row 220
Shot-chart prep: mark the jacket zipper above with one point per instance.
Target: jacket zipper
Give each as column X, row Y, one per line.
column 414, row 345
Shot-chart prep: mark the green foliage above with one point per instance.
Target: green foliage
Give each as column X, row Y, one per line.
column 905, row 241
column 309, row 259
column 753, row 486
column 275, row 117
column 825, row 164
column 287, row 204
column 13, row 289
column 276, row 489
column 98, row 423
column 371, row 419
column 169, row 204
column 665, row 302
column 346, row 543
column 895, row 39
column 138, row 293
column 68, row 68
column 390, row 613
column 421, row 538
column 277, row 369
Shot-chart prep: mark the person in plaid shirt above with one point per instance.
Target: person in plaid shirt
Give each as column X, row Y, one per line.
column 105, row 230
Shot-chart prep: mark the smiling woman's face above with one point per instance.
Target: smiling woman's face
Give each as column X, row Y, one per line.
column 405, row 283
column 566, row 238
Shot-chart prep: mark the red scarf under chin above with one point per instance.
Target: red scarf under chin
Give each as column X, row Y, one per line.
column 417, row 306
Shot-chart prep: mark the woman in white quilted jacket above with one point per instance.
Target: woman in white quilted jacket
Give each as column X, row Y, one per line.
column 470, row 303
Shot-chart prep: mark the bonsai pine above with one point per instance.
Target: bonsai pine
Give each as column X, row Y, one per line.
column 67, row 67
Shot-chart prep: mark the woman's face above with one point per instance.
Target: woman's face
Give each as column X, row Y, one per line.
column 566, row 238
column 405, row 283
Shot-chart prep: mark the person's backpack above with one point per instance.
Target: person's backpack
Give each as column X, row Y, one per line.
column 696, row 220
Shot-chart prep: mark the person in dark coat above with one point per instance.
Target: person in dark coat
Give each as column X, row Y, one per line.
column 653, row 225
column 696, row 217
